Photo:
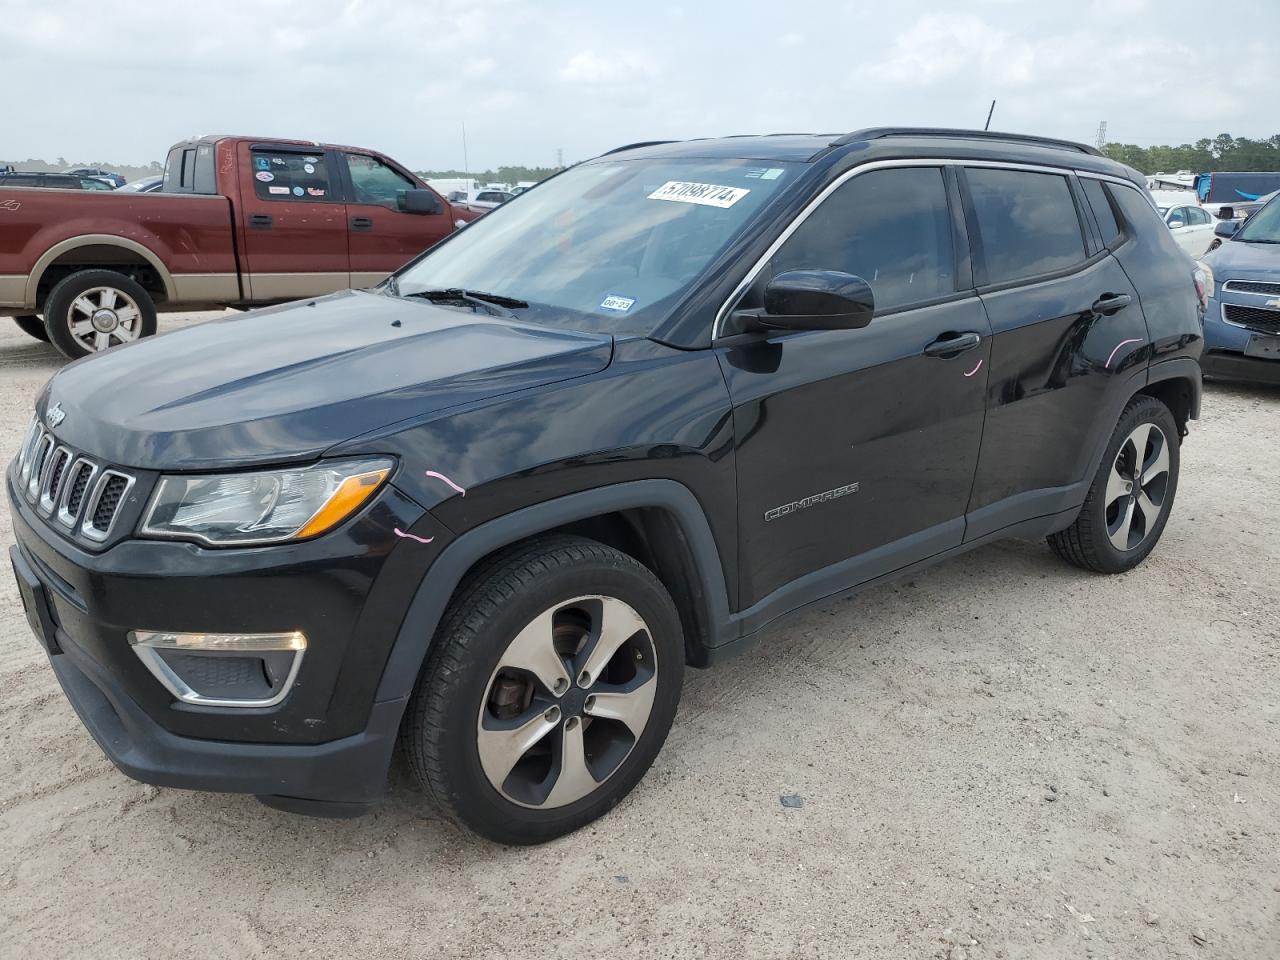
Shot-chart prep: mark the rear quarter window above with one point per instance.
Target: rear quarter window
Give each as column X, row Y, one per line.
column 1100, row 204
column 285, row 175
column 1027, row 223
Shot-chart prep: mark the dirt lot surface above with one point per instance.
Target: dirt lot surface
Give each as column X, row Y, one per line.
column 1004, row 757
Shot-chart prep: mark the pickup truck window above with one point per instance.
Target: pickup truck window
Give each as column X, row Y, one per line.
column 285, row 175
column 372, row 181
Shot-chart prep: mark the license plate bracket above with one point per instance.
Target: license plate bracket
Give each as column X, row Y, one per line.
column 35, row 602
column 1263, row 347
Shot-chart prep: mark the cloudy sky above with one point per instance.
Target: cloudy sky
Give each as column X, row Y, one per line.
column 85, row 81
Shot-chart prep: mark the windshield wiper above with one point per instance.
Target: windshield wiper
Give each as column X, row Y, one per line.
column 476, row 298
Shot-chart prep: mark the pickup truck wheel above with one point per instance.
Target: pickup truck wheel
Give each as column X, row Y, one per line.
column 1128, row 504
column 549, row 690
column 92, row 310
column 32, row 327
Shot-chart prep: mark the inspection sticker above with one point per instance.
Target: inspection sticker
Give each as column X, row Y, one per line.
column 763, row 173
column 615, row 302
column 706, row 194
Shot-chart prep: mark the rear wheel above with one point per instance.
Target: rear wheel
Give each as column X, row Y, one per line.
column 32, row 326
column 1128, row 504
column 93, row 310
column 549, row 690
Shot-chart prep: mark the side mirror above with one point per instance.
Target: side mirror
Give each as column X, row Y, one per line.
column 813, row 300
column 1175, row 223
column 1226, row 213
column 418, row 201
column 1226, row 228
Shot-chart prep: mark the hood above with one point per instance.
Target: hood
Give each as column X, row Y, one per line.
column 1237, row 260
column 287, row 383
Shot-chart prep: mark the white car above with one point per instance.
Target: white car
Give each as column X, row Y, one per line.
column 1191, row 226
column 488, row 199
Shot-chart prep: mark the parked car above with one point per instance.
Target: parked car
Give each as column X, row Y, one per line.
column 54, row 181
column 488, row 199
column 114, row 179
column 1242, row 319
column 1191, row 227
column 145, row 185
column 238, row 221
column 493, row 508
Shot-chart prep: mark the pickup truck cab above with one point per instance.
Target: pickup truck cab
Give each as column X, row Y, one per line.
column 240, row 221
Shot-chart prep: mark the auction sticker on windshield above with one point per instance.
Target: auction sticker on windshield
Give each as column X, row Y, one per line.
column 706, row 194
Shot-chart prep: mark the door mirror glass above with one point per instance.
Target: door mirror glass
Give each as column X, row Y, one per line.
column 418, row 201
column 1226, row 228
column 814, row 300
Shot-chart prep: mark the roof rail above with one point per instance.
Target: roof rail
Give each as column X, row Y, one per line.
column 636, row 146
column 877, row 133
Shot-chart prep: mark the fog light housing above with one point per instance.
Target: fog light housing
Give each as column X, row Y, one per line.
column 222, row 669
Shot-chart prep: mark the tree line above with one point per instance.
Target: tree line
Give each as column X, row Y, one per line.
column 501, row 175
column 1223, row 152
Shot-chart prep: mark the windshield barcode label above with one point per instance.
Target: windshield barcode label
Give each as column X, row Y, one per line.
column 706, row 194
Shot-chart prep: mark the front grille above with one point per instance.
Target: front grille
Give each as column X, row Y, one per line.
column 79, row 483
column 113, row 488
column 72, row 489
column 1255, row 318
column 1264, row 287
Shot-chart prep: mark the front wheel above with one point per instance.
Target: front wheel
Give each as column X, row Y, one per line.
column 1128, row 504
column 549, row 690
column 93, row 310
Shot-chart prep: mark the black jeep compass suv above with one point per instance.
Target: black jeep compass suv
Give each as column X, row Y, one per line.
column 624, row 423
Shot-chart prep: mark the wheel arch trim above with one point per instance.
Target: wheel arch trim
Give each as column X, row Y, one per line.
column 96, row 240
column 440, row 582
column 1180, row 368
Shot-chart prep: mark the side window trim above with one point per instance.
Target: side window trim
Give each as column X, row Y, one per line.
column 1105, row 183
column 1085, row 214
column 960, row 240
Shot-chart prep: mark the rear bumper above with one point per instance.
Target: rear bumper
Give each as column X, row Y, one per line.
column 1236, row 366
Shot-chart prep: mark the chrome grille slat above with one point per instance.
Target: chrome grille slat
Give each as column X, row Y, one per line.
column 79, row 477
column 103, row 504
column 54, row 472
column 1262, row 288
column 79, row 495
column 39, row 460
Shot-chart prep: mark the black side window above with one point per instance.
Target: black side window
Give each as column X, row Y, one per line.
column 282, row 175
column 1136, row 210
column 1028, row 223
column 1100, row 204
column 890, row 227
column 1199, row 217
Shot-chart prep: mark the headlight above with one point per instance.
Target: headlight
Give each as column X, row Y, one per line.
column 239, row 509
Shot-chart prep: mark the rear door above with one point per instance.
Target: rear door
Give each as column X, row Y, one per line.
column 856, row 448
column 1183, row 230
column 383, row 237
column 294, row 218
column 1068, row 333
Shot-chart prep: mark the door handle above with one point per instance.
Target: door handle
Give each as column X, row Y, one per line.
column 260, row 221
column 952, row 345
column 361, row 223
column 1110, row 303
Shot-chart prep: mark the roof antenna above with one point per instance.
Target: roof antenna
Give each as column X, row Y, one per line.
column 987, row 126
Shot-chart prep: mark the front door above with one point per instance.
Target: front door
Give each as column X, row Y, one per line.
column 383, row 237
column 294, row 220
column 856, row 449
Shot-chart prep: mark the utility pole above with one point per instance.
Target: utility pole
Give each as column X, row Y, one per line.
column 560, row 157
column 987, row 125
column 466, row 164
column 1102, row 134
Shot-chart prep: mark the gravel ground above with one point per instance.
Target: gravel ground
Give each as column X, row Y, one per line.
column 1004, row 757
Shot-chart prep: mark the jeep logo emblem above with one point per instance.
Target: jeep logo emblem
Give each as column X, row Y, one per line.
column 55, row 415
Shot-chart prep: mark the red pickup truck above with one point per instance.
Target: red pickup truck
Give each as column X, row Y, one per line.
column 240, row 221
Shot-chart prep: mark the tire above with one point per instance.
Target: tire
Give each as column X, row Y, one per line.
column 510, row 624
column 1121, row 520
column 124, row 312
column 32, row 326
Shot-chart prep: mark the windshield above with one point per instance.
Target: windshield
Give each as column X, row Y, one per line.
column 1263, row 226
column 608, row 246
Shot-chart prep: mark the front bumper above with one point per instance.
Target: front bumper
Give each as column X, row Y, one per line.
column 326, row 747
column 1224, row 346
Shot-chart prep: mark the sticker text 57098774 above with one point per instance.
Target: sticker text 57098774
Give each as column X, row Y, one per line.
column 705, row 194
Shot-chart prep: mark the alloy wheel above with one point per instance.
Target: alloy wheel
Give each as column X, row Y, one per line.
column 102, row 317
column 568, row 701
column 1137, row 486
